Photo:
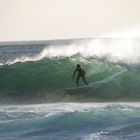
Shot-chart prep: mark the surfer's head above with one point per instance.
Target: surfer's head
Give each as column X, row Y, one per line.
column 78, row 66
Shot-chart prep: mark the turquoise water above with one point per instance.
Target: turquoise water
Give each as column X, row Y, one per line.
column 72, row 121
column 50, row 80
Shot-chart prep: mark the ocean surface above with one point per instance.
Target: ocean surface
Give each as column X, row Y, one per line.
column 40, row 100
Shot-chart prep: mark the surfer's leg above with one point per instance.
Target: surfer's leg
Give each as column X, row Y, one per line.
column 84, row 80
column 78, row 77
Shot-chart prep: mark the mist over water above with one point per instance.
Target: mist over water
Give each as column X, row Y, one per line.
column 114, row 50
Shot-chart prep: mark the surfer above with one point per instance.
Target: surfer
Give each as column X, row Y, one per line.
column 81, row 73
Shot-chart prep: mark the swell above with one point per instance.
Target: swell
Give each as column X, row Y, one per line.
column 50, row 80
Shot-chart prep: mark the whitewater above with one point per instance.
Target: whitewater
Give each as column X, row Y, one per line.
column 40, row 100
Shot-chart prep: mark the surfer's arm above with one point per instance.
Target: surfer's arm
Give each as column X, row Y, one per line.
column 74, row 73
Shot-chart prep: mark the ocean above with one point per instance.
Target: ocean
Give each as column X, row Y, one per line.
column 40, row 100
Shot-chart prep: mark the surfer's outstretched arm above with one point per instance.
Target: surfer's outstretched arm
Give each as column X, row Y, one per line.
column 74, row 73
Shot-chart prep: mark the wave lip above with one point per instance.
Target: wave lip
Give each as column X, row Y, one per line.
column 114, row 50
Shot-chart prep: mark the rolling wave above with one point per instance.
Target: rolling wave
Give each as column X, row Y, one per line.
column 43, row 73
column 50, row 80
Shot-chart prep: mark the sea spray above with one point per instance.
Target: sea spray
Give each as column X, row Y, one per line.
column 114, row 50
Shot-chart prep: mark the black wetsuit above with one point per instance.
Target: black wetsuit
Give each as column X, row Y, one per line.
column 81, row 73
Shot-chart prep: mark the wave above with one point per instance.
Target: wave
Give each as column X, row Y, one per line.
column 43, row 73
column 50, row 80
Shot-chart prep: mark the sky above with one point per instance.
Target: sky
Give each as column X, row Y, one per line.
column 66, row 19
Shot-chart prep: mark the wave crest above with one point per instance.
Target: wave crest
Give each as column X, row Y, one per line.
column 114, row 50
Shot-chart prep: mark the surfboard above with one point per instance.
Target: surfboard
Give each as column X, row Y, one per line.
column 80, row 88
column 77, row 90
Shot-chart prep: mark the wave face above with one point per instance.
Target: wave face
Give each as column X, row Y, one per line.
column 43, row 72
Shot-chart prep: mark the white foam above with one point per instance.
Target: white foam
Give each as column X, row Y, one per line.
column 115, row 50
column 65, row 107
column 94, row 136
column 124, row 50
column 1, row 64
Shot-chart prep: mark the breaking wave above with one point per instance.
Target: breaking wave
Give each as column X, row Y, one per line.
column 111, row 66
